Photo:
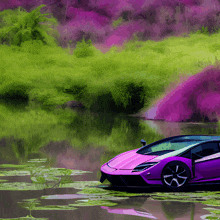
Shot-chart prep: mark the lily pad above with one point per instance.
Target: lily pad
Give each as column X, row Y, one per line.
column 80, row 184
column 45, row 179
column 212, row 202
column 14, row 173
column 19, row 186
column 38, row 160
column 215, row 214
column 60, row 172
column 96, row 191
column 24, row 218
column 92, row 187
column 91, row 202
column 54, row 207
column 66, row 196
column 127, row 194
column 208, row 198
column 13, row 166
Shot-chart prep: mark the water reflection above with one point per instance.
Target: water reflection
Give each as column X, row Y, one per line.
column 129, row 212
column 169, row 129
column 149, row 209
column 85, row 143
column 84, row 129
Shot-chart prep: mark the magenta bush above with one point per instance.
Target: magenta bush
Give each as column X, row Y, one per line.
column 9, row 4
column 197, row 98
column 123, row 33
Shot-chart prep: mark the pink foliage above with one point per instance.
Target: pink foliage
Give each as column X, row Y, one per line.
column 79, row 15
column 123, row 33
column 9, row 4
column 199, row 95
column 76, row 29
column 108, row 6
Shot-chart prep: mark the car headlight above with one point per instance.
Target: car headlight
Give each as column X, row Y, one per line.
column 144, row 166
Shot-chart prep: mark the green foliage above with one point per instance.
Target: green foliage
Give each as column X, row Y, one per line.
column 215, row 213
column 48, row 98
column 130, row 91
column 103, row 66
column 20, row 26
column 32, row 46
column 83, row 49
column 76, row 87
column 15, row 186
column 117, row 22
column 54, row 207
column 204, row 31
column 30, row 204
column 16, row 91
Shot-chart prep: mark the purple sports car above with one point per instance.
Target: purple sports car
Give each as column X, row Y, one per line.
column 172, row 162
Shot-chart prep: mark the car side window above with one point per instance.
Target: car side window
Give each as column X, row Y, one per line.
column 197, row 152
column 206, row 149
column 210, row 148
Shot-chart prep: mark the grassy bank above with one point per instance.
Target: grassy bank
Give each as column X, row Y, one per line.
column 120, row 82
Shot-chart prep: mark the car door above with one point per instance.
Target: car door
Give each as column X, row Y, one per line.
column 207, row 160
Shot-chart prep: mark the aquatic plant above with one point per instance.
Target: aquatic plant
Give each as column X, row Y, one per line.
column 215, row 213
column 30, row 204
column 24, row 218
column 41, row 176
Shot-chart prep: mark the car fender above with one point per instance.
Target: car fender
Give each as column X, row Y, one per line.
column 154, row 173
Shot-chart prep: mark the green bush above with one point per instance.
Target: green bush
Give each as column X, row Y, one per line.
column 76, row 87
column 15, row 91
column 83, row 49
column 204, row 30
column 20, row 26
column 103, row 66
column 129, row 93
column 32, row 46
column 48, row 98
column 117, row 22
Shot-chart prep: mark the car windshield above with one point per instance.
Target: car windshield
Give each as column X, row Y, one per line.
column 166, row 147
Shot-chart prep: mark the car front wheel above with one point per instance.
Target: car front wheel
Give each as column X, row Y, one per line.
column 175, row 175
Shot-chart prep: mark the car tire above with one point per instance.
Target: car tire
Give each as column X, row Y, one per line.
column 175, row 175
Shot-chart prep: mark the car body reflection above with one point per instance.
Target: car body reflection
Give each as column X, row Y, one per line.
column 152, row 209
column 129, row 212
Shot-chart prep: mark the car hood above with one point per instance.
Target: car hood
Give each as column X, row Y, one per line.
column 129, row 160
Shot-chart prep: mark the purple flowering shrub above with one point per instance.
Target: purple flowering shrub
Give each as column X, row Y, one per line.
column 196, row 99
column 153, row 19
column 9, row 4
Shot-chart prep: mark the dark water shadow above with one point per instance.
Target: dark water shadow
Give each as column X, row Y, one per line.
column 212, row 187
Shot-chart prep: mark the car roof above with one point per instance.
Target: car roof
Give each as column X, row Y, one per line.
column 183, row 150
column 199, row 138
column 194, row 137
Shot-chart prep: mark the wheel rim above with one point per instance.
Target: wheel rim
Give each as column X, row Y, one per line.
column 175, row 176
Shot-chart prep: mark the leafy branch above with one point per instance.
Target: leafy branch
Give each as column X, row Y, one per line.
column 22, row 26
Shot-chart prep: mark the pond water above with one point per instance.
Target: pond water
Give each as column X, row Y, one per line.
column 103, row 137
